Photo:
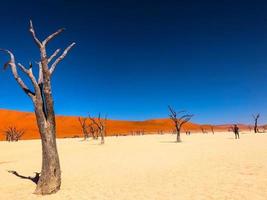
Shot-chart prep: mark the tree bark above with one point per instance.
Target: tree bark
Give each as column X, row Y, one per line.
column 50, row 179
column 178, row 137
column 256, row 127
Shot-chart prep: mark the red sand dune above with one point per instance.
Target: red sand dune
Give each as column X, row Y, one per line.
column 68, row 126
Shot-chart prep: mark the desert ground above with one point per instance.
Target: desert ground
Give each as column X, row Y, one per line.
column 202, row 167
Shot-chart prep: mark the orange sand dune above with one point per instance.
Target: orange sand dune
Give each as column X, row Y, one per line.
column 68, row 126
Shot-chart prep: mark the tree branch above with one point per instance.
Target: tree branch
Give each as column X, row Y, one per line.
column 60, row 58
column 30, row 74
column 53, row 55
column 94, row 122
column 50, row 37
column 41, row 77
column 36, row 40
column 13, row 66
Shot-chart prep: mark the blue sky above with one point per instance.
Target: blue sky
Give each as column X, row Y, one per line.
column 133, row 58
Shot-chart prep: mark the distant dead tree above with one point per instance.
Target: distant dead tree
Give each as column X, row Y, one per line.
column 41, row 96
column 100, row 123
column 212, row 129
column 13, row 134
column 83, row 125
column 93, row 131
column 256, row 117
column 203, row 130
column 178, row 121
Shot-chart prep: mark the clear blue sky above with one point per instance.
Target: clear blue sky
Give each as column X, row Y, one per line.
column 133, row 58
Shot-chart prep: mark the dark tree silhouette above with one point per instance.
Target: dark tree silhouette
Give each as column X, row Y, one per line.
column 212, row 129
column 93, row 131
column 41, row 96
column 256, row 117
column 203, row 130
column 83, row 125
column 13, row 134
column 178, row 121
column 100, row 123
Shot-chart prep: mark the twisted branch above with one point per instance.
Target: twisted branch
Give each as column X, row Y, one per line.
column 13, row 67
column 60, row 58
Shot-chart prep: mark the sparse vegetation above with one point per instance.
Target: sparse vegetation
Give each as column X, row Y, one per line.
column 13, row 134
column 203, row 130
column 83, row 125
column 100, row 124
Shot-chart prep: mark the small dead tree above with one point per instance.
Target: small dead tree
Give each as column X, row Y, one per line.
column 212, row 129
column 178, row 121
column 203, row 130
column 93, row 131
column 83, row 125
column 256, row 117
column 13, row 134
column 41, row 96
column 100, row 123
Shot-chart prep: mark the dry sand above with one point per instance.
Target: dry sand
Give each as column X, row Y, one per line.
column 150, row 167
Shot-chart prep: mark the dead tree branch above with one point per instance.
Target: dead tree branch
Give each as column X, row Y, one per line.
column 100, row 123
column 13, row 134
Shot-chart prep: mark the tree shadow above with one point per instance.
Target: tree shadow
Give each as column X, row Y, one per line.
column 169, row 142
column 6, row 162
column 34, row 179
column 232, row 138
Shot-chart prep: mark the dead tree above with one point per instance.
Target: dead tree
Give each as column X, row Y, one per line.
column 178, row 121
column 203, row 130
column 100, row 123
column 93, row 131
column 41, row 96
column 212, row 129
column 256, row 117
column 12, row 134
column 83, row 125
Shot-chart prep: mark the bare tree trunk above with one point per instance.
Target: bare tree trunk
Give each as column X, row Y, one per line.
column 256, row 117
column 50, row 179
column 178, row 138
column 256, row 127
column 102, row 133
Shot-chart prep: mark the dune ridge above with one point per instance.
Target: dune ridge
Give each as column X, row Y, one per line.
column 68, row 126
